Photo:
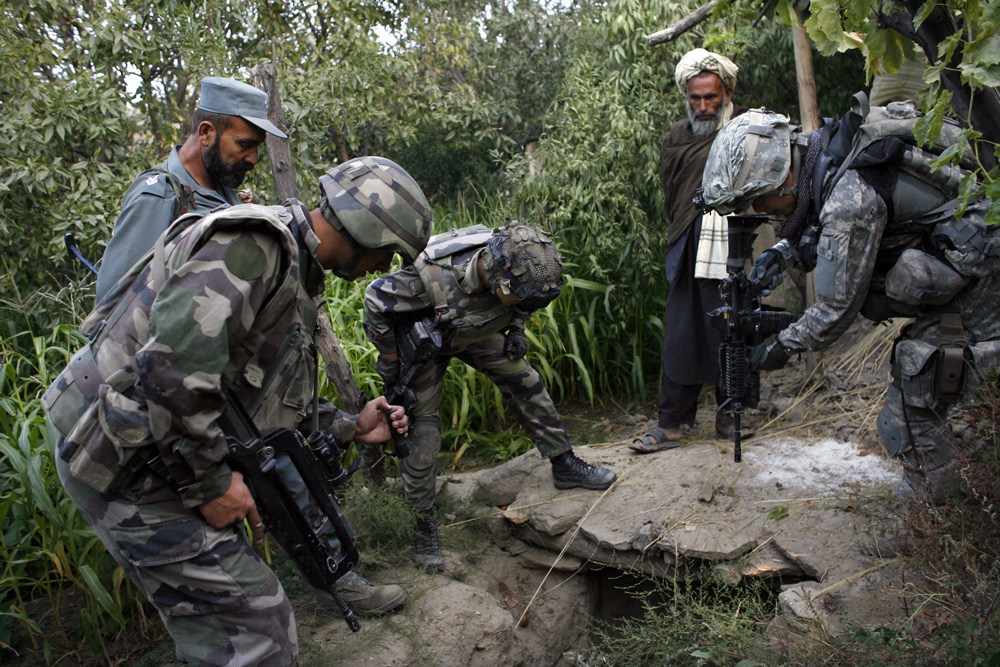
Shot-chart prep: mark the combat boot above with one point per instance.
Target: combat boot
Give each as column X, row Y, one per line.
column 364, row 597
column 569, row 472
column 427, row 551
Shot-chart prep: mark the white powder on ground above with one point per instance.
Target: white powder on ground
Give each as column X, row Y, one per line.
column 826, row 465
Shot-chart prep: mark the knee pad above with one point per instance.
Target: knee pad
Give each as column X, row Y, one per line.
column 425, row 443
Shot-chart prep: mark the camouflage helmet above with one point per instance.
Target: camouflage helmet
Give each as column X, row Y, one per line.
column 524, row 260
column 751, row 157
column 377, row 204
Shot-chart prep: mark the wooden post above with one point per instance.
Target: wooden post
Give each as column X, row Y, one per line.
column 338, row 371
column 279, row 150
column 809, row 110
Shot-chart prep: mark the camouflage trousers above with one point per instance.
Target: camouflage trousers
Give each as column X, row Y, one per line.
column 220, row 602
column 921, row 437
column 519, row 384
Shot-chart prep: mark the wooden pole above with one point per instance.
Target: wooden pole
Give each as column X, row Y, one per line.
column 279, row 150
column 809, row 110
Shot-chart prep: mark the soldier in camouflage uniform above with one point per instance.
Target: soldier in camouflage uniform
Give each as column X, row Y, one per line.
column 229, row 299
column 199, row 177
column 479, row 286
column 884, row 241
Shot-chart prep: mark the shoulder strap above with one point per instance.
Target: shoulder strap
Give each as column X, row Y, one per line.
column 183, row 194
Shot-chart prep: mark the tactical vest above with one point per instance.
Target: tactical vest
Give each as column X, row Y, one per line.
column 96, row 404
column 441, row 267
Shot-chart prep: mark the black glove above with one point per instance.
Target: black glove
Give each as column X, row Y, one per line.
column 387, row 369
column 516, row 344
column 766, row 272
column 769, row 355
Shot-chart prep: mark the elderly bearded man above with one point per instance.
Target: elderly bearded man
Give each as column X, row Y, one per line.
column 696, row 252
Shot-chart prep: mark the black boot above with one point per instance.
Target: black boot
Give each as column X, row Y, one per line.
column 427, row 552
column 569, row 472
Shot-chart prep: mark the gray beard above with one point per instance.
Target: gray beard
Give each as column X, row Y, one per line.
column 702, row 128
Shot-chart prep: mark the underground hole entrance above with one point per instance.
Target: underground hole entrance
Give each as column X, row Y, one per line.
column 695, row 618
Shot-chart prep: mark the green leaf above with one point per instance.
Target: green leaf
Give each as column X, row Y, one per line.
column 778, row 513
column 97, row 590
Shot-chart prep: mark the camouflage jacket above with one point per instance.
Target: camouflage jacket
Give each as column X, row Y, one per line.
column 858, row 245
column 229, row 297
column 444, row 283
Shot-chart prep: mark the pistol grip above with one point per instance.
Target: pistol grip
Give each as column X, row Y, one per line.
column 400, row 443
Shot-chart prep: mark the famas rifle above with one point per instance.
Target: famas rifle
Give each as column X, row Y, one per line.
column 318, row 461
column 744, row 324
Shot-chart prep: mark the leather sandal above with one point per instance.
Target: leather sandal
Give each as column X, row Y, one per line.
column 656, row 440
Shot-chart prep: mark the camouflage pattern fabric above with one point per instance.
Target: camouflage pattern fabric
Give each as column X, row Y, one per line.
column 751, row 156
column 221, row 603
column 147, row 210
column 471, row 319
column 378, row 203
column 232, row 304
column 857, row 248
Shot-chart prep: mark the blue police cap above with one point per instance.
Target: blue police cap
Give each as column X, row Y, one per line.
column 234, row 98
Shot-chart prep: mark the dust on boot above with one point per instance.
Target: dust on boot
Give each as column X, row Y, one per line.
column 364, row 597
column 570, row 472
column 427, row 549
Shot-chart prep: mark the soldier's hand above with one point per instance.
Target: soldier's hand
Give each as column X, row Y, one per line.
column 769, row 355
column 766, row 272
column 232, row 506
column 516, row 344
column 373, row 426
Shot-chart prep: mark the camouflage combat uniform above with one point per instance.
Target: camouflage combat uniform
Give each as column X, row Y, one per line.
column 444, row 284
column 234, row 300
column 858, row 246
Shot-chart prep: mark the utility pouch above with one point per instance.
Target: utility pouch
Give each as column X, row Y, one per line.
column 914, row 367
column 919, row 279
column 69, row 397
column 984, row 360
column 948, row 373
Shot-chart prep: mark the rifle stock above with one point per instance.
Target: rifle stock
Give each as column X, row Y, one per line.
column 318, row 461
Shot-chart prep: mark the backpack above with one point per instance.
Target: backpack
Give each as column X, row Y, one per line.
column 880, row 143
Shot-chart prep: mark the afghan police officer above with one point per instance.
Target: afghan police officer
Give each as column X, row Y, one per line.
column 881, row 232
column 479, row 287
column 224, row 303
column 199, row 175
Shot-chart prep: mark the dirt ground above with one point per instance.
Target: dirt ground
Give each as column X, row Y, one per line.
column 532, row 572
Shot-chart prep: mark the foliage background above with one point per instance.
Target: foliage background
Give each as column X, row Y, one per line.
column 550, row 111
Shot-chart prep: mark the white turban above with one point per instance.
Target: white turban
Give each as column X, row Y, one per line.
column 699, row 60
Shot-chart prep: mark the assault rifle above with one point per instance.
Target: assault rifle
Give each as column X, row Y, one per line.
column 744, row 324
column 415, row 346
column 318, row 461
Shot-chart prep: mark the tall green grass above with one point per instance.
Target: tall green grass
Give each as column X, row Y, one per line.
column 58, row 583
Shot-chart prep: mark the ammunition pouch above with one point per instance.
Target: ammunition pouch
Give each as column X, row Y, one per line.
column 915, row 368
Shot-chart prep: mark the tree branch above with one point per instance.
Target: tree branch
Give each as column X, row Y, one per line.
column 682, row 26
